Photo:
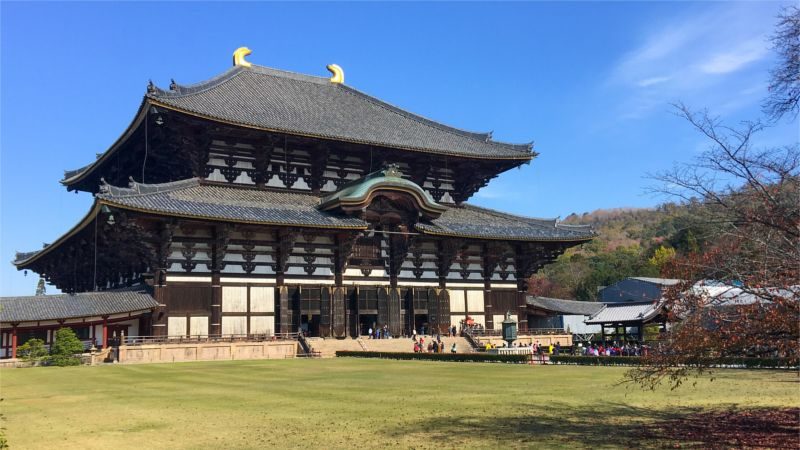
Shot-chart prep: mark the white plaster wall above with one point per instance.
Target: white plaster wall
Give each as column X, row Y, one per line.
column 457, row 301
column 262, row 324
column 498, row 321
column 198, row 326
column 262, row 299
column 234, row 325
column 475, row 301
column 176, row 326
column 234, row 299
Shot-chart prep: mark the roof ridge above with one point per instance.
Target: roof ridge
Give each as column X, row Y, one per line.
column 541, row 221
column 181, row 90
column 136, row 189
column 487, row 136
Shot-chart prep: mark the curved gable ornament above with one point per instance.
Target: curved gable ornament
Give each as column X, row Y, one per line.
column 359, row 194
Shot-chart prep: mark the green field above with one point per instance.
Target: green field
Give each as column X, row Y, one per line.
column 354, row 403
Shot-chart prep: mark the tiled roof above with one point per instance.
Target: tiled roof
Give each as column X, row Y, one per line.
column 66, row 306
column 569, row 307
column 482, row 223
column 659, row 281
column 625, row 312
column 305, row 105
column 191, row 198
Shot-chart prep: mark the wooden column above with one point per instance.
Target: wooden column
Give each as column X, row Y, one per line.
column 159, row 321
column 215, row 325
column 339, row 313
column 105, row 331
column 221, row 237
column 14, row 341
column 285, row 239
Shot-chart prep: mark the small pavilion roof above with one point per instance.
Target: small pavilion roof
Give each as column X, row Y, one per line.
column 625, row 313
column 68, row 306
column 568, row 307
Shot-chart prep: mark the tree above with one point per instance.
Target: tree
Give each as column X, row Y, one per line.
column 40, row 287
column 64, row 348
column 661, row 257
column 784, row 86
column 32, row 350
column 749, row 199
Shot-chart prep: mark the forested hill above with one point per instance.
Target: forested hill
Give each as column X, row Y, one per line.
column 632, row 242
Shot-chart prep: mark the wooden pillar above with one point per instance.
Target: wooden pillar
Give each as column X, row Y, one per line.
column 159, row 321
column 14, row 341
column 215, row 327
column 105, row 331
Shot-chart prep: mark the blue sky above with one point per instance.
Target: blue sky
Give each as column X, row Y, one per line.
column 590, row 83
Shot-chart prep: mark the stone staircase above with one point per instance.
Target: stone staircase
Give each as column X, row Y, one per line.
column 328, row 347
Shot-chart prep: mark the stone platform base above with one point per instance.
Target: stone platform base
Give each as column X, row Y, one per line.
column 217, row 351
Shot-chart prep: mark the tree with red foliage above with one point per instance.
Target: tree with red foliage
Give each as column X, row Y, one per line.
column 749, row 200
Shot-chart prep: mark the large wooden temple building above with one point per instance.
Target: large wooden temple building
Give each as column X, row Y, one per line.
column 264, row 201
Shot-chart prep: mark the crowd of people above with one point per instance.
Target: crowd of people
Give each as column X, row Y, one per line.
column 435, row 345
column 613, row 349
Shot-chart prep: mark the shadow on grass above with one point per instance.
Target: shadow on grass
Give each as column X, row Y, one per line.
column 609, row 425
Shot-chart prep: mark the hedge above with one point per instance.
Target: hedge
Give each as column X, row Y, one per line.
column 454, row 357
column 740, row 362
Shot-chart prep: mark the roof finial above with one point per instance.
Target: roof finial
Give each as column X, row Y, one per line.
column 238, row 57
column 338, row 73
column 392, row 170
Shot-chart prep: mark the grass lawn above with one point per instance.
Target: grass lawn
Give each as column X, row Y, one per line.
column 355, row 403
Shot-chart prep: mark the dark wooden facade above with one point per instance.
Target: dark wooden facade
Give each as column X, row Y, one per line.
column 214, row 273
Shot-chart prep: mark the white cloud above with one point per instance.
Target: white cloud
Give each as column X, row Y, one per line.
column 652, row 81
column 698, row 56
column 732, row 61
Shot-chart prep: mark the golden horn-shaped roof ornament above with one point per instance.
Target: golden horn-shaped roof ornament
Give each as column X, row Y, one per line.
column 338, row 73
column 238, row 57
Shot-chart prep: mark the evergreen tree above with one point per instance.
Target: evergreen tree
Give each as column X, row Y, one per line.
column 64, row 348
column 40, row 287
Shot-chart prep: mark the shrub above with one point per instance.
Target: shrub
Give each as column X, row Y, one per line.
column 33, row 350
column 453, row 357
column 733, row 362
column 64, row 348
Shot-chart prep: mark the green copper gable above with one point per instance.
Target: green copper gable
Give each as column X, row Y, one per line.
column 359, row 192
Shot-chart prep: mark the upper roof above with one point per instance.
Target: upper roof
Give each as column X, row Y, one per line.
column 68, row 306
column 569, row 307
column 625, row 312
column 286, row 102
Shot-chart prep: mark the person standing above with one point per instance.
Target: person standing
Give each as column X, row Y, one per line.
column 370, row 332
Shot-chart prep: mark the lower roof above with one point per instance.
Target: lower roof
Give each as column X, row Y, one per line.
column 70, row 306
column 195, row 199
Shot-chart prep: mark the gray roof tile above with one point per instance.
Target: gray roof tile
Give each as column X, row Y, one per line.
column 66, row 306
column 569, row 307
column 625, row 312
column 287, row 102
